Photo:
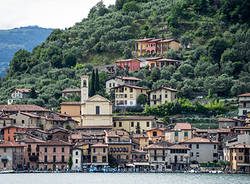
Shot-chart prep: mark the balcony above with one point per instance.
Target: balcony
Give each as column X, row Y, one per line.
column 33, row 158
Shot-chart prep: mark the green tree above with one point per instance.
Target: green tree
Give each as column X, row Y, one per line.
column 155, row 74
column 130, row 6
column 142, row 99
column 92, row 87
column 70, row 162
column 32, row 93
column 97, row 84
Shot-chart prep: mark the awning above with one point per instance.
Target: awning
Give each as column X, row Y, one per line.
column 130, row 165
column 141, row 164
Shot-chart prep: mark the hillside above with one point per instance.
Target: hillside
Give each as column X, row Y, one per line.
column 19, row 38
column 214, row 34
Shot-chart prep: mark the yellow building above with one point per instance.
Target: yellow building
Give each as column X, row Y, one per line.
column 162, row 62
column 99, row 155
column 97, row 111
column 126, row 95
column 134, row 124
column 155, row 46
column 90, row 112
column 162, row 95
column 72, row 109
column 240, row 157
column 142, row 140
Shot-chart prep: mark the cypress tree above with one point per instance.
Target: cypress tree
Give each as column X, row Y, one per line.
column 92, row 89
column 97, row 85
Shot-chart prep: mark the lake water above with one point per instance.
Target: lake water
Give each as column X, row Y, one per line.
column 123, row 178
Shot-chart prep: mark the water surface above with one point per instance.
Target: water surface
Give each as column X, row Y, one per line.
column 123, row 178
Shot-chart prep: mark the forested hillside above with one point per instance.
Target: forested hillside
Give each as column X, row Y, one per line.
column 19, row 38
column 214, row 34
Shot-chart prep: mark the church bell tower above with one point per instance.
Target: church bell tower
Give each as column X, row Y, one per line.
column 84, row 88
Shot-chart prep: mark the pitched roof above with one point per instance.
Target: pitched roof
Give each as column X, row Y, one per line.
column 153, row 58
column 128, row 78
column 11, row 144
column 71, row 90
column 130, row 86
column 22, row 108
column 244, row 95
column 178, row 146
column 99, row 145
column 98, row 98
column 200, row 140
column 169, row 40
column 22, row 90
column 182, row 126
column 144, row 40
column 119, row 118
column 166, row 88
column 30, row 114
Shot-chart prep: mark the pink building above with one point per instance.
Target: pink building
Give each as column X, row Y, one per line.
column 129, row 64
column 54, row 154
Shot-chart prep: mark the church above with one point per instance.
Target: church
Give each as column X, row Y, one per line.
column 91, row 113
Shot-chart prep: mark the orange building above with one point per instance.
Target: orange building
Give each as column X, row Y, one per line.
column 10, row 132
column 156, row 134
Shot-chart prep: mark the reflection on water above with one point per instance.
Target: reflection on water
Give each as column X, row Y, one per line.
column 123, row 178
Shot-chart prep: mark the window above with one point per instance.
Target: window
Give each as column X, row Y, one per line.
column 197, row 154
column 54, row 158
column 22, row 121
column 120, row 124
column 94, row 150
column 148, row 124
column 76, row 161
column 94, row 158
column 62, row 149
column 241, row 150
column 132, row 124
column 131, row 90
column 104, row 150
column 62, row 158
column 185, row 133
column 176, row 134
column 181, row 158
column 103, row 158
column 45, row 158
column 240, row 158
column 76, row 152
column 215, row 155
column 215, row 146
column 163, row 158
column 4, row 124
column 114, row 124
column 166, row 94
column 154, row 134
column 54, row 150
column 197, row 146
column 138, row 124
column 192, row 154
column 154, row 97
column 125, row 96
column 190, row 146
column 4, row 150
column 97, row 109
column 45, row 150
column 155, row 158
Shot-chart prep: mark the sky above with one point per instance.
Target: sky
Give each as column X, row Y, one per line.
column 45, row 13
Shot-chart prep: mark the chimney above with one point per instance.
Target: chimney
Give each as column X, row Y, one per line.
column 84, row 88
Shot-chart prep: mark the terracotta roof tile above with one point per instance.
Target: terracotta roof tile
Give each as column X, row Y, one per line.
column 22, row 108
column 244, row 95
column 178, row 146
column 11, row 144
column 182, row 126
column 200, row 140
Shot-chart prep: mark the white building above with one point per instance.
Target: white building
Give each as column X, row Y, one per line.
column 244, row 104
column 120, row 80
column 178, row 157
column 180, row 133
column 77, row 159
column 19, row 93
column 202, row 149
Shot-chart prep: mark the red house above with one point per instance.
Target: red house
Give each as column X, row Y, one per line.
column 129, row 64
column 10, row 132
